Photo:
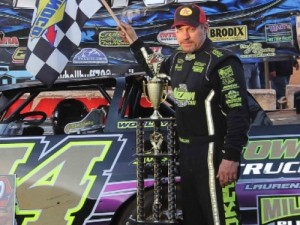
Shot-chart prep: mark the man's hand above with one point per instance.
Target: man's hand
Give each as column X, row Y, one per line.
column 228, row 172
column 127, row 33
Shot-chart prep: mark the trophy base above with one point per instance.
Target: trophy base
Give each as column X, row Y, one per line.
column 155, row 115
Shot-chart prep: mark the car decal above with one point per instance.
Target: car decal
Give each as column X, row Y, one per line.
column 62, row 177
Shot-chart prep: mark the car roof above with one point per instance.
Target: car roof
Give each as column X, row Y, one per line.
column 63, row 84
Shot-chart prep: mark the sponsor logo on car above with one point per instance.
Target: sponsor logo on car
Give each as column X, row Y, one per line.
column 133, row 124
column 279, row 209
column 95, row 153
column 265, row 162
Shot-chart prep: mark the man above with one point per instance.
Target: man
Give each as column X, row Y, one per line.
column 280, row 73
column 211, row 115
column 251, row 72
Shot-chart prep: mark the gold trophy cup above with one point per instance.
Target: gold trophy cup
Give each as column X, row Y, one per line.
column 156, row 91
column 156, row 88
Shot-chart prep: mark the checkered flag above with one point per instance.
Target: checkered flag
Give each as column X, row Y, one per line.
column 55, row 34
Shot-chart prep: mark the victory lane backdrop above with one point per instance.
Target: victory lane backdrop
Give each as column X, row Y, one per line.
column 255, row 30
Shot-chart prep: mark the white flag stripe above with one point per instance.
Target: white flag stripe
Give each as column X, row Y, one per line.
column 34, row 64
column 74, row 34
column 57, row 61
column 72, row 9
column 90, row 8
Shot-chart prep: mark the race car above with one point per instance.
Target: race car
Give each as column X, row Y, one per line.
column 76, row 147
column 72, row 148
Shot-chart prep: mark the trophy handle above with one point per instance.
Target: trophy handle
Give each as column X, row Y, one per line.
column 166, row 90
column 166, row 84
column 145, row 92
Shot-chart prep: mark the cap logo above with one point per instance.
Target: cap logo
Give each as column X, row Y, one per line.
column 185, row 12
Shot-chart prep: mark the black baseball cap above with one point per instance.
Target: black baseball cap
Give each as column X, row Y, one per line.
column 191, row 15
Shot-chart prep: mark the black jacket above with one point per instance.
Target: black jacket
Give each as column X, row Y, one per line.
column 210, row 94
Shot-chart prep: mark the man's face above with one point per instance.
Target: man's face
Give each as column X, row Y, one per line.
column 191, row 38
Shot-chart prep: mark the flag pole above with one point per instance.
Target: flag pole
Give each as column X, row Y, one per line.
column 115, row 19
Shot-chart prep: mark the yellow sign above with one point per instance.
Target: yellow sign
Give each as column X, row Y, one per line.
column 111, row 39
column 228, row 33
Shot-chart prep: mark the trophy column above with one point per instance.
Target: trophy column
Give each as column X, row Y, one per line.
column 160, row 214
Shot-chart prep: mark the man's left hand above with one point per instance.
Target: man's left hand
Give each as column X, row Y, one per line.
column 228, row 172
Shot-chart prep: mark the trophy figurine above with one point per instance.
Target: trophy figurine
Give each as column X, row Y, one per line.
column 156, row 88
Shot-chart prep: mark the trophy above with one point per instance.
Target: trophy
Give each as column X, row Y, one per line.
column 162, row 148
column 156, row 88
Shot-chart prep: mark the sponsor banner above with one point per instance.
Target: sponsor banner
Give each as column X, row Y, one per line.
column 228, row 33
column 25, row 4
column 7, row 199
column 256, row 50
column 167, row 37
column 6, row 41
column 280, row 32
column 111, row 39
column 90, row 56
column 268, row 31
column 19, row 55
